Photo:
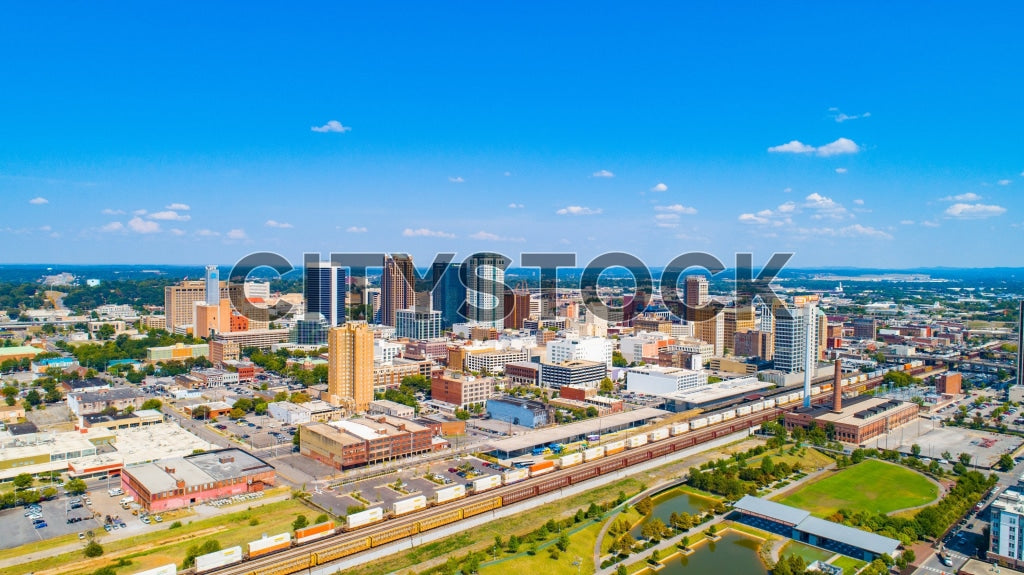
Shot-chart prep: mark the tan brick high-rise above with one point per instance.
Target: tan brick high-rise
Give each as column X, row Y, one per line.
column 350, row 366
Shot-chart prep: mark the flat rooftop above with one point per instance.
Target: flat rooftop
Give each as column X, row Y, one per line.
column 200, row 469
column 852, row 408
column 717, row 391
column 560, row 433
column 228, row 463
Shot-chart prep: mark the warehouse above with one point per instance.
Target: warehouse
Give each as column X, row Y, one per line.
column 859, row 420
column 352, row 442
column 178, row 482
column 524, row 444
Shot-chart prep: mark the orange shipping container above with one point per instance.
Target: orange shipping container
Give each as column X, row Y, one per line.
column 314, row 531
column 542, row 467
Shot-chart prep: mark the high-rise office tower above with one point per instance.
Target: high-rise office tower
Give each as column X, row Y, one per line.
column 517, row 308
column 708, row 323
column 212, row 285
column 448, row 295
column 397, row 287
column 695, row 294
column 325, row 292
column 350, row 366
column 795, row 327
column 485, row 289
column 180, row 300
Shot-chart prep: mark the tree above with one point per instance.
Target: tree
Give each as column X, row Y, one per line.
column 621, row 570
column 300, row 522
column 322, row 518
column 260, row 408
column 1005, row 462
column 915, row 449
column 295, row 438
column 645, row 506
column 281, row 396
column 244, row 403
column 201, row 412
column 236, row 413
column 607, row 386
column 965, row 458
column 93, row 549
column 105, row 332
column 152, row 404
column 299, row 397
column 563, row 541
column 75, row 486
column 513, row 544
column 462, row 414
column 135, row 377
column 23, row 481
column 33, row 398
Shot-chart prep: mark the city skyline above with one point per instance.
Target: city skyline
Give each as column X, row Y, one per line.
column 876, row 138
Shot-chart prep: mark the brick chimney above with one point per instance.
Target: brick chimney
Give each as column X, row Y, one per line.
column 837, row 387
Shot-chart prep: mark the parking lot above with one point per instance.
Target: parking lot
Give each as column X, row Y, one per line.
column 380, row 492
column 257, row 432
column 983, row 447
column 19, row 530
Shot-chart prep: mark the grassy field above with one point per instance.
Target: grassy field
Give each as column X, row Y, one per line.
column 581, row 545
column 482, row 537
column 848, row 564
column 871, row 485
column 809, row 553
column 809, row 459
column 164, row 545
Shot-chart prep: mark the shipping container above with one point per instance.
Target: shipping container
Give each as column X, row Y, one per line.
column 409, row 505
column 541, row 468
column 744, row 410
column 816, row 390
column 757, row 406
column 217, row 559
column 714, row 418
column 862, row 377
column 270, row 544
column 570, row 460
column 169, row 569
column 727, row 415
column 636, row 441
column 698, row 423
column 793, row 397
column 515, row 476
column 314, row 532
column 593, row 453
column 769, row 403
column 482, row 484
column 614, row 447
column 364, row 518
column 679, row 428
column 454, row 492
column 658, row 434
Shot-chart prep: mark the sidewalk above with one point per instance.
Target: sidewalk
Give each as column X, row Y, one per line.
column 670, row 543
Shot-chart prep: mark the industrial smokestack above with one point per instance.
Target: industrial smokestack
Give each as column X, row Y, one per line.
column 837, row 387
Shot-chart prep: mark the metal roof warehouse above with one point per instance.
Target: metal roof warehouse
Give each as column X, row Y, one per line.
column 524, row 444
column 800, row 525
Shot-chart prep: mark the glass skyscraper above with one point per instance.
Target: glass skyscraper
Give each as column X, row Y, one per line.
column 325, row 290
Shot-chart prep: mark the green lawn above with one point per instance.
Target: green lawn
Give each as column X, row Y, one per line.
column 808, row 552
column 848, row 564
column 871, row 485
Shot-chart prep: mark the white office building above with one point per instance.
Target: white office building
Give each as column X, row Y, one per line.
column 658, row 380
column 386, row 351
column 793, row 329
column 416, row 324
column 1007, row 513
column 596, row 349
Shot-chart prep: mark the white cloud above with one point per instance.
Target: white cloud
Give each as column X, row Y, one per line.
column 177, row 232
column 516, row 206
column 840, row 146
column 753, row 219
column 864, row 231
column 659, row 187
column 907, row 222
column 112, row 227
column 170, row 215
column 112, row 212
column 929, row 224
column 974, row 211
column 139, row 212
column 666, row 217
column 356, row 230
column 179, row 207
column 39, row 201
column 332, row 126
column 277, row 224
column 236, row 234
column 456, row 179
column 793, row 147
column 787, row 207
column 859, row 202
column 968, row 197
column 603, row 174
column 1003, row 182
column 487, row 236
column 841, row 170
column 841, row 117
column 677, row 208
column 424, row 232
column 142, row 226
column 824, row 206
column 787, row 190
column 207, row 233
column 578, row 211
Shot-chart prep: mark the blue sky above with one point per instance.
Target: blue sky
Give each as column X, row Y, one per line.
column 854, row 135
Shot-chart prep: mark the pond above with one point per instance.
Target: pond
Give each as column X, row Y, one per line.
column 675, row 500
column 733, row 553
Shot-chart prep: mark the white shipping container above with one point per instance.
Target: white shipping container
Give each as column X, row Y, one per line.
column 485, row 483
column 769, row 403
column 636, row 441
column 516, row 475
column 268, row 542
column 614, row 446
column 698, row 423
column 593, row 453
column 757, row 406
column 815, row 390
column 658, row 434
column 727, row 415
column 744, row 410
column 679, row 428
column 409, row 505
column 364, row 517
column 793, row 397
column 456, row 491
column 714, row 418
column 570, row 460
column 218, row 558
